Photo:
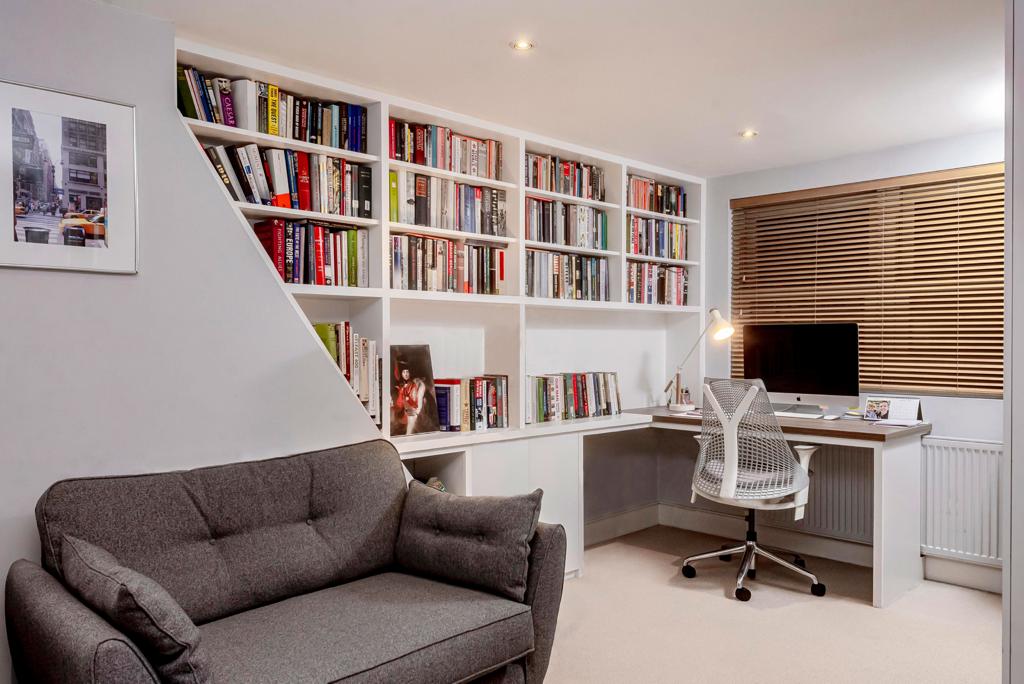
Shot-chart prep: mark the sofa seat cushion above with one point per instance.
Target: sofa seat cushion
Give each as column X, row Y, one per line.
column 390, row 627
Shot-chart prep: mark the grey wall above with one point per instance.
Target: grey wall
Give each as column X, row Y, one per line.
column 200, row 358
column 952, row 417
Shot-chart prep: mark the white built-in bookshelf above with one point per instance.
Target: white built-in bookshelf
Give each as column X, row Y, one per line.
column 472, row 334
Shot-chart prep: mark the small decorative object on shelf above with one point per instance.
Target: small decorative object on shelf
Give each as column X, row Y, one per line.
column 441, row 148
column 413, row 401
column 467, row 404
column 265, row 108
column 570, row 225
column 421, row 200
column 648, row 283
column 440, row 265
column 552, row 173
column 316, row 254
column 648, row 194
column 566, row 276
column 358, row 360
column 436, row 483
column 294, row 180
column 567, row 396
column 656, row 238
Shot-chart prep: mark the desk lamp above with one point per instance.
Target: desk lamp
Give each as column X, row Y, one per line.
column 720, row 329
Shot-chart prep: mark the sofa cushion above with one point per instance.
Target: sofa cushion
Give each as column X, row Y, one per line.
column 390, row 627
column 227, row 538
column 139, row 607
column 482, row 541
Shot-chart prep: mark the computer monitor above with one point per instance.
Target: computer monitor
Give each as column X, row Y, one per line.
column 811, row 364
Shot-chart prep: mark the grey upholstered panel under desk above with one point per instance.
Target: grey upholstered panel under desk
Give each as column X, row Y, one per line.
column 620, row 472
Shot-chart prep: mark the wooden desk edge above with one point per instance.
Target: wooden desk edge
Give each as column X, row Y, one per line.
column 841, row 429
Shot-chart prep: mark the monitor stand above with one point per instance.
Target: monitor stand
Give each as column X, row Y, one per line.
column 797, row 411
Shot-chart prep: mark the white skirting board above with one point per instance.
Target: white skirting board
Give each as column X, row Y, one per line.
column 964, row 574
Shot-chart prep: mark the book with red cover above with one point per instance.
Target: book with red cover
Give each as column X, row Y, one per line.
column 318, row 254
column 391, row 138
column 420, row 145
column 348, row 352
column 271, row 236
column 302, row 181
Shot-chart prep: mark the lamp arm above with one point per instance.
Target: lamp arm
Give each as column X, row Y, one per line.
column 687, row 357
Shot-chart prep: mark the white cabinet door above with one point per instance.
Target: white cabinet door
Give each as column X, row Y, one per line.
column 556, row 466
column 500, row 469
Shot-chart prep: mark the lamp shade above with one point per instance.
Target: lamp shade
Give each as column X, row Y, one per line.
column 720, row 328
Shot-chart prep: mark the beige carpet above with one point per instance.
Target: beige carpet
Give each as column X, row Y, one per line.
column 634, row 618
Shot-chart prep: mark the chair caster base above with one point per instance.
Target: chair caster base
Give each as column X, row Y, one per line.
column 743, row 594
column 818, row 589
column 751, row 574
column 689, row 571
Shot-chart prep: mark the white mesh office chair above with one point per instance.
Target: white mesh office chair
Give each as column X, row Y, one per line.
column 746, row 462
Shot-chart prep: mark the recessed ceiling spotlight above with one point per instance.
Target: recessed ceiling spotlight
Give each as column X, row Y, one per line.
column 748, row 133
column 521, row 44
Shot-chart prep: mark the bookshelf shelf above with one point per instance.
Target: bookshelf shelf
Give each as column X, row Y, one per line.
column 409, row 229
column 428, row 295
column 460, row 177
column 661, row 260
column 229, row 135
column 332, row 292
column 568, row 249
column 655, row 215
column 568, row 199
column 264, row 211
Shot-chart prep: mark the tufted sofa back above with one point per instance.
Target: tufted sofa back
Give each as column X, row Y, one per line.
column 229, row 538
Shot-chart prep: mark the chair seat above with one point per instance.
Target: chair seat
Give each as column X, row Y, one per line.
column 391, row 627
column 751, row 483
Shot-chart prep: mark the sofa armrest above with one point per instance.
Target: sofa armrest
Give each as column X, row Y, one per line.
column 55, row 638
column 544, row 594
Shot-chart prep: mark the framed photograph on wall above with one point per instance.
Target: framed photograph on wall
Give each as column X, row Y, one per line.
column 67, row 181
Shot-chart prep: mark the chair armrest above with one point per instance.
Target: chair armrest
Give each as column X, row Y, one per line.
column 54, row 637
column 544, row 594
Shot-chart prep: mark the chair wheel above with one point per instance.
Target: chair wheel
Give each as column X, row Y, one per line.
column 725, row 558
column 799, row 562
column 752, row 574
column 689, row 571
column 818, row 589
column 743, row 594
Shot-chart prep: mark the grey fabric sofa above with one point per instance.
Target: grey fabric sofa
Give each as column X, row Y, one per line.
column 288, row 568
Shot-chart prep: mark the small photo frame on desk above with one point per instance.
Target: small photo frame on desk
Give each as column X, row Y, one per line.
column 892, row 409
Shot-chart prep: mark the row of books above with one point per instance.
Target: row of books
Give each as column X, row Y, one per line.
column 566, row 276
column 294, row 180
column 441, row 148
column 650, row 195
column 358, row 360
column 566, row 396
column 566, row 224
column 422, row 200
column 265, row 108
column 314, row 254
column 465, row 404
column 548, row 172
column 656, row 238
column 648, row 283
column 439, row 265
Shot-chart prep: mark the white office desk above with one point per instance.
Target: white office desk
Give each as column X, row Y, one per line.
column 896, row 454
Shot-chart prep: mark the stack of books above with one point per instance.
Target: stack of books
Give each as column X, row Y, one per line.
column 566, row 224
column 358, row 360
column 548, row 172
column 566, row 276
column 422, row 200
column 648, row 283
column 441, row 148
column 650, row 195
column 656, row 238
column 265, row 108
column 294, row 180
column 566, row 396
column 316, row 254
column 465, row 404
column 439, row 265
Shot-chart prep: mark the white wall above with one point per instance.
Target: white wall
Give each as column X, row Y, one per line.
column 200, row 358
column 967, row 418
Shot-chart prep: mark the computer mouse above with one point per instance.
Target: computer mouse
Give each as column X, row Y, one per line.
column 831, row 417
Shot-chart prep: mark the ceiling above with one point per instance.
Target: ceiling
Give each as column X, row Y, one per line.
column 669, row 82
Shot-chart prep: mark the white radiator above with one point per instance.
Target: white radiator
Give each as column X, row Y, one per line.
column 960, row 499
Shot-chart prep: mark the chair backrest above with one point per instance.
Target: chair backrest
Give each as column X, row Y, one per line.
column 743, row 451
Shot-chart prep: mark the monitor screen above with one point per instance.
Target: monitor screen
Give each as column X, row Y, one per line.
column 805, row 358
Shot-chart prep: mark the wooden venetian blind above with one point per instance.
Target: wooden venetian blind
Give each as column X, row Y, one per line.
column 917, row 261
